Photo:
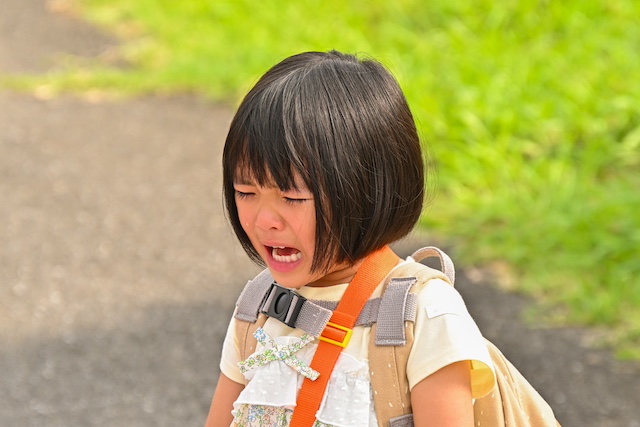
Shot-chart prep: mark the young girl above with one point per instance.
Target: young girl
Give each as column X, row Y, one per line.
column 322, row 170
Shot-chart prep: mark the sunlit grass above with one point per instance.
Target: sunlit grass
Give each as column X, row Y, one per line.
column 531, row 108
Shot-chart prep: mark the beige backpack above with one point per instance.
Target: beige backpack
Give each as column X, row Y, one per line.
column 513, row 402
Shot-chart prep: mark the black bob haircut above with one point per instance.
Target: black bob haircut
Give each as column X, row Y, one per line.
column 344, row 125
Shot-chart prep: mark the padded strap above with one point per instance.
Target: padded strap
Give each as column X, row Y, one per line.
column 244, row 332
column 388, row 364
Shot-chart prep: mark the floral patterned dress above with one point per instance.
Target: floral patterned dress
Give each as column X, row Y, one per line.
column 275, row 373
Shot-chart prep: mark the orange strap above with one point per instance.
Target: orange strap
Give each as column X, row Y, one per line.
column 337, row 333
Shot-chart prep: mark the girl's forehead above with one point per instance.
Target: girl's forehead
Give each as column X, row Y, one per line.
column 245, row 174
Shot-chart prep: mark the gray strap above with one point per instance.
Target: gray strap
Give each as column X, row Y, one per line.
column 369, row 314
column 313, row 318
column 402, row 421
column 315, row 314
column 390, row 330
column 255, row 296
column 252, row 297
column 446, row 265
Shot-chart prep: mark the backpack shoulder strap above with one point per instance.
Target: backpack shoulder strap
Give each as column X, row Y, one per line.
column 247, row 316
column 388, row 360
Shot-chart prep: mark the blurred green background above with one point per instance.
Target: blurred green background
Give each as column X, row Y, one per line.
column 531, row 110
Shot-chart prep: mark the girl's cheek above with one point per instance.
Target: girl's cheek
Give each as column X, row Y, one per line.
column 243, row 217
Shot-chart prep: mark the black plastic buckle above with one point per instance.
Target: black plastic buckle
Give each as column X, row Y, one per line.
column 285, row 305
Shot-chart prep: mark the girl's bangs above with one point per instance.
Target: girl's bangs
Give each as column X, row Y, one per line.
column 267, row 162
column 268, row 151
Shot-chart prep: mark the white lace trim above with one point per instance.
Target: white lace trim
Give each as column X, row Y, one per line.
column 347, row 402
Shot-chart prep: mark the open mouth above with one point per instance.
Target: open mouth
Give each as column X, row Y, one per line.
column 284, row 254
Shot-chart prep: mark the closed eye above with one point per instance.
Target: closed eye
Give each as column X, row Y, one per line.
column 295, row 196
column 294, row 201
column 243, row 195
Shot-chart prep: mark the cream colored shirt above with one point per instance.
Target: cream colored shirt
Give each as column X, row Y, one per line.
column 445, row 333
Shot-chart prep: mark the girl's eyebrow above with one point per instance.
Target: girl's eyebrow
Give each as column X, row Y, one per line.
column 243, row 181
column 300, row 189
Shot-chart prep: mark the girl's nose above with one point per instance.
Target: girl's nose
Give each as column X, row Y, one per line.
column 268, row 219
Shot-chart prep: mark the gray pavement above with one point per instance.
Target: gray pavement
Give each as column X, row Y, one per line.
column 118, row 271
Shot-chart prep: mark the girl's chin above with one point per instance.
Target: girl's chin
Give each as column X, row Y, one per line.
column 289, row 275
column 291, row 281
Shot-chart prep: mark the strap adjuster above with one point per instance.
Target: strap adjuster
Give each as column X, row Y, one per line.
column 341, row 339
column 283, row 304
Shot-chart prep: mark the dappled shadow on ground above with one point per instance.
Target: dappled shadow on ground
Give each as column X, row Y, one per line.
column 158, row 368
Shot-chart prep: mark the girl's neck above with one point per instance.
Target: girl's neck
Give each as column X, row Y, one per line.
column 341, row 274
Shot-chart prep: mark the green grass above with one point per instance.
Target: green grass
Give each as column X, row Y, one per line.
column 531, row 108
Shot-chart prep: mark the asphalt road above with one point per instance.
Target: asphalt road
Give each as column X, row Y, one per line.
column 118, row 271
